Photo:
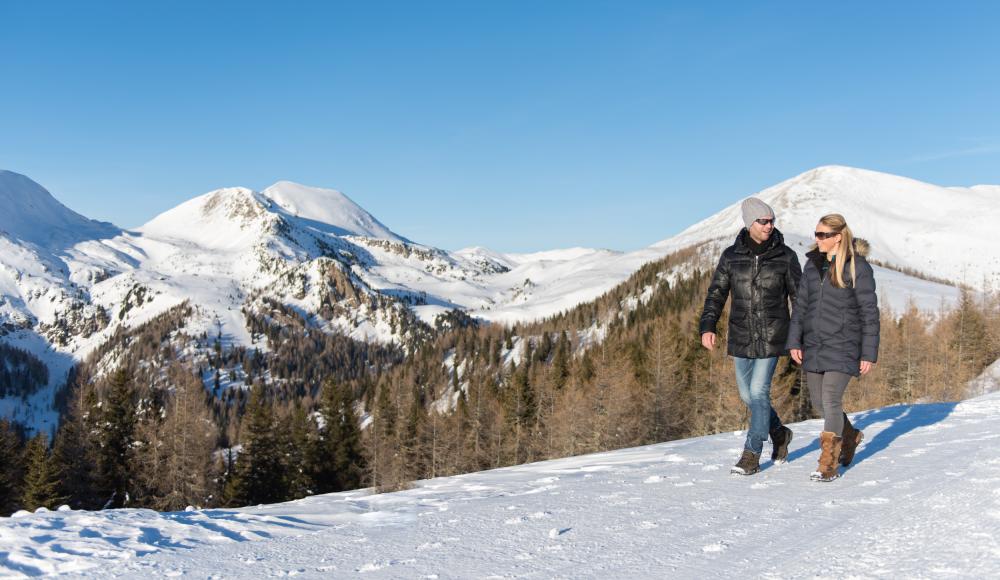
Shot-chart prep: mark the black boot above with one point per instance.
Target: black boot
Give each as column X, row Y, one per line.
column 780, row 438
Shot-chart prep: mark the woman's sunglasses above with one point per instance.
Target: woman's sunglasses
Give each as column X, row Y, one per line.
column 824, row 235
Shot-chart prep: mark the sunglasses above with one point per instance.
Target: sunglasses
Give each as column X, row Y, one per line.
column 824, row 235
column 764, row 221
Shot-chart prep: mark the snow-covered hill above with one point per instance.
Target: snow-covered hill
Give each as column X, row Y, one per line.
column 939, row 231
column 68, row 283
column 921, row 500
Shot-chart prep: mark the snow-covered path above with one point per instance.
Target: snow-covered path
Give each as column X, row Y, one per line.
column 921, row 500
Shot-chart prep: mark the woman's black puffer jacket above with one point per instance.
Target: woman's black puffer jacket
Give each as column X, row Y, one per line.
column 761, row 286
column 836, row 328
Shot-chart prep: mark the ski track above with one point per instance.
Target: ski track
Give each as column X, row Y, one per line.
column 922, row 500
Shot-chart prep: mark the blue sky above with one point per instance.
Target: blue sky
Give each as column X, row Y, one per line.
column 514, row 125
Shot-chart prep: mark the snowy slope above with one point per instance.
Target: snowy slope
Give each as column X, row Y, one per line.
column 328, row 209
column 31, row 215
column 922, row 500
column 940, row 231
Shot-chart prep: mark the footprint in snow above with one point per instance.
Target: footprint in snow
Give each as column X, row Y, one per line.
column 714, row 548
column 381, row 564
column 429, row 546
column 529, row 517
column 660, row 478
column 874, row 501
column 674, row 458
column 684, row 484
column 372, row 567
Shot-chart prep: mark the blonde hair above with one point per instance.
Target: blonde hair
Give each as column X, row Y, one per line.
column 844, row 251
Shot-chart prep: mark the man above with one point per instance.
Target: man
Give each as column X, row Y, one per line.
column 762, row 273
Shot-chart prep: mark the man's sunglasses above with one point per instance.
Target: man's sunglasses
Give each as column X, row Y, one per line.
column 764, row 221
column 824, row 235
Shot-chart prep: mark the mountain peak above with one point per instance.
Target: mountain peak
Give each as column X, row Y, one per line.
column 327, row 209
column 32, row 214
column 910, row 223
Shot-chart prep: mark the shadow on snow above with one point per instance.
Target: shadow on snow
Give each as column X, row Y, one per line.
column 901, row 418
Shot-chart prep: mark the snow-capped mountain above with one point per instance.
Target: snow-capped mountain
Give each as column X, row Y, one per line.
column 67, row 283
column 33, row 217
column 941, row 232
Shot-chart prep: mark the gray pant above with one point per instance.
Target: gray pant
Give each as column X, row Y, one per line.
column 827, row 393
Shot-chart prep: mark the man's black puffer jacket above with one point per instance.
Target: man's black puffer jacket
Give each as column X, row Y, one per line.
column 761, row 285
column 836, row 328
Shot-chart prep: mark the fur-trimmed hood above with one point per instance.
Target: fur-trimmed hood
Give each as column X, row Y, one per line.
column 862, row 247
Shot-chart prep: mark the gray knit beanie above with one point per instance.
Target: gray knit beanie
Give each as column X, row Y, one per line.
column 754, row 209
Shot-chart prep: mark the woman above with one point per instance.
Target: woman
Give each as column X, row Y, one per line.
column 834, row 333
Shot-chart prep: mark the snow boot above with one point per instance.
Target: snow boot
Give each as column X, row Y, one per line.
column 829, row 464
column 852, row 438
column 780, row 438
column 748, row 464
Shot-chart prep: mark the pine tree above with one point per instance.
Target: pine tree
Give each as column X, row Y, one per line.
column 560, row 362
column 41, row 480
column 75, row 452
column 260, row 471
column 10, row 479
column 338, row 464
column 118, row 422
column 415, row 453
column 298, row 453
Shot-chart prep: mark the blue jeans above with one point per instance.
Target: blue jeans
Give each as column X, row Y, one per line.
column 753, row 377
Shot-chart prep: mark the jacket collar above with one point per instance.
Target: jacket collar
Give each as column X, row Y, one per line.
column 773, row 243
column 817, row 258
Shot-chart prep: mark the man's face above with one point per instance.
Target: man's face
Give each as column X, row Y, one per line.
column 761, row 232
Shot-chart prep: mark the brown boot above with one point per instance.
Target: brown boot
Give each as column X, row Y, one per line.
column 828, row 469
column 852, row 438
column 748, row 464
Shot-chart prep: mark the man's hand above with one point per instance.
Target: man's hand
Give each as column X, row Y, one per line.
column 796, row 355
column 708, row 340
column 866, row 367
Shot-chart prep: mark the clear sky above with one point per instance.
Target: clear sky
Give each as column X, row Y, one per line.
column 514, row 125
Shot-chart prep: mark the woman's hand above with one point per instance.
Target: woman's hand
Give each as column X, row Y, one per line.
column 866, row 367
column 796, row 355
column 708, row 340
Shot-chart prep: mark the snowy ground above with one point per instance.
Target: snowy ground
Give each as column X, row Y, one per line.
column 922, row 500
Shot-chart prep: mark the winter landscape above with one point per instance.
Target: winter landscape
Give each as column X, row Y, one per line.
column 428, row 290
column 663, row 510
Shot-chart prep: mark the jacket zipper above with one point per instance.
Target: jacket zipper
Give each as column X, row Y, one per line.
column 822, row 284
column 753, row 292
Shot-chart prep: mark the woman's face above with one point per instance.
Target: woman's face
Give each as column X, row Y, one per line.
column 827, row 244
